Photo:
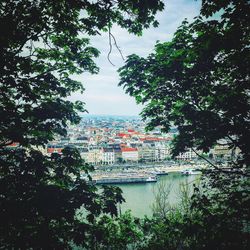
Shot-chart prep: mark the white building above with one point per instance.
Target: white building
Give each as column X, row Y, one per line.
column 147, row 153
column 161, row 151
column 108, row 156
column 130, row 154
column 188, row 155
column 94, row 156
column 84, row 154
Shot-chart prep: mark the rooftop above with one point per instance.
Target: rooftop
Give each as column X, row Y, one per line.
column 129, row 149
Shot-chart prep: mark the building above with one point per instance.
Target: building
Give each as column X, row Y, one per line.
column 161, row 152
column 130, row 154
column 146, row 154
column 108, row 156
column 118, row 155
column 94, row 156
column 225, row 152
column 84, row 154
column 54, row 148
column 82, row 141
column 187, row 155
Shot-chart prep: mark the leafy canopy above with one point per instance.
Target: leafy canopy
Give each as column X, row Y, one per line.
column 42, row 44
column 199, row 81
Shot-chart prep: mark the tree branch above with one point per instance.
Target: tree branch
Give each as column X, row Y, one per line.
column 111, row 36
column 204, row 158
column 116, row 45
column 216, row 167
column 110, row 47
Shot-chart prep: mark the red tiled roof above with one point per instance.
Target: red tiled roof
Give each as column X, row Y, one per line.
column 131, row 131
column 136, row 133
column 54, row 150
column 14, row 144
column 129, row 149
column 151, row 139
column 123, row 135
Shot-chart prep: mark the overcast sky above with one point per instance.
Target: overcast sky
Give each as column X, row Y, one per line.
column 102, row 94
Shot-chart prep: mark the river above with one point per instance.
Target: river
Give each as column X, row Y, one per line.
column 140, row 196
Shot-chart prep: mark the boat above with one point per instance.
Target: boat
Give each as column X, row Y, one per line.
column 191, row 172
column 161, row 172
column 122, row 178
column 155, row 172
column 151, row 179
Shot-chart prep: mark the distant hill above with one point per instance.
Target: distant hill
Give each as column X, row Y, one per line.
column 123, row 117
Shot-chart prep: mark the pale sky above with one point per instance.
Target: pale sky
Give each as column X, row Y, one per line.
column 102, row 94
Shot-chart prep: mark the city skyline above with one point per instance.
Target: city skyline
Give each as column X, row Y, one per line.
column 102, row 94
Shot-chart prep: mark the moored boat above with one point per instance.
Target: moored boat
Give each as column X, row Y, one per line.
column 191, row 172
column 122, row 178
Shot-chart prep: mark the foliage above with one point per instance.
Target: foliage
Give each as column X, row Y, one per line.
column 42, row 44
column 161, row 205
column 213, row 218
column 39, row 199
column 122, row 232
column 199, row 82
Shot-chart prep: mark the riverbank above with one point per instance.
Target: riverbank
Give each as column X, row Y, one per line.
column 168, row 167
column 140, row 175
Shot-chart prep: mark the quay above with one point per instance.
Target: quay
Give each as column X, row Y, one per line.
column 136, row 175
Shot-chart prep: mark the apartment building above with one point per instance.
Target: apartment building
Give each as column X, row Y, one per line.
column 130, row 154
column 108, row 156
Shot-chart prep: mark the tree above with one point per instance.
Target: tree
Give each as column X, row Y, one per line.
column 122, row 232
column 199, row 82
column 42, row 44
column 161, row 205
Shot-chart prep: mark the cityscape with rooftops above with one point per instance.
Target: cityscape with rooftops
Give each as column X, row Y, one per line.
column 114, row 144
column 124, row 154
column 117, row 140
column 122, row 141
column 125, row 124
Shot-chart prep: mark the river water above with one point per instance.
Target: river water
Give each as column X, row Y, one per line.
column 140, row 196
